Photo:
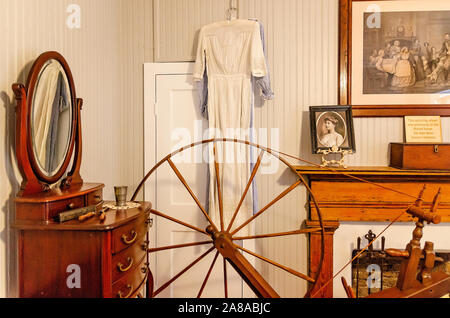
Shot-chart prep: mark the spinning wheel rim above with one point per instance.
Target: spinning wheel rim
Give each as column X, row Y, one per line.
column 261, row 291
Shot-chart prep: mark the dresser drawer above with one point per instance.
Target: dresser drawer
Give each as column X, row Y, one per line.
column 129, row 234
column 95, row 197
column 127, row 260
column 65, row 205
column 128, row 284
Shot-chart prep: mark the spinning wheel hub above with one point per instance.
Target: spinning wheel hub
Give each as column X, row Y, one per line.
column 222, row 241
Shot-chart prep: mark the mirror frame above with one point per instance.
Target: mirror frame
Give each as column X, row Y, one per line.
column 34, row 179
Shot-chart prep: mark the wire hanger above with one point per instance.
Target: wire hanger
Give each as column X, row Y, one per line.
column 232, row 11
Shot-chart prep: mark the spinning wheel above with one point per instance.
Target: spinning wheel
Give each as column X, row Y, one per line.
column 222, row 238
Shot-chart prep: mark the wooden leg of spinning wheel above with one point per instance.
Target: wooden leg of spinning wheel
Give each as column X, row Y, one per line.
column 149, row 285
column 249, row 274
column 253, row 279
column 315, row 245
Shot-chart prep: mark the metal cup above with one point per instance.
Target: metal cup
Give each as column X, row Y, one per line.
column 121, row 195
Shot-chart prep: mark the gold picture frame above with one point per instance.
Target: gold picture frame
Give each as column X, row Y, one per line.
column 355, row 41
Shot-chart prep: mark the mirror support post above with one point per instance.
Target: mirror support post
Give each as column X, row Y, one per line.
column 30, row 184
column 74, row 176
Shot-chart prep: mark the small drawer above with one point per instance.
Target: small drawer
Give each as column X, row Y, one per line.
column 126, row 261
column 65, row 205
column 95, row 197
column 129, row 234
column 128, row 285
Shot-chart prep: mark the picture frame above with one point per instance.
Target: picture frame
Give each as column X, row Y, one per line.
column 332, row 126
column 366, row 25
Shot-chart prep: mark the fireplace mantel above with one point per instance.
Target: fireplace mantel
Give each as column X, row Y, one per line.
column 344, row 199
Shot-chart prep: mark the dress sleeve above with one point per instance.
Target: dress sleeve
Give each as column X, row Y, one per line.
column 258, row 60
column 200, row 60
column 264, row 82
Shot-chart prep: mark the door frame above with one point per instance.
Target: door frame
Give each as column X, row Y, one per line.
column 151, row 73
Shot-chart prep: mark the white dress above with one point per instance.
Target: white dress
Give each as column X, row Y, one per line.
column 230, row 52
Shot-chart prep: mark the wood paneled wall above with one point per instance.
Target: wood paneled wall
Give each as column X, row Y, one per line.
column 301, row 39
column 177, row 23
column 106, row 55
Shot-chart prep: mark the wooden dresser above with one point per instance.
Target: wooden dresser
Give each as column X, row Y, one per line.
column 92, row 258
column 103, row 255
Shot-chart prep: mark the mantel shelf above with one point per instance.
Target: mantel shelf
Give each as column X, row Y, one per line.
column 370, row 170
column 344, row 198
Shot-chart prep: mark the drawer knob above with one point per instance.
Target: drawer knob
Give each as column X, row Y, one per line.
column 130, row 241
column 130, row 287
column 71, row 206
column 127, row 268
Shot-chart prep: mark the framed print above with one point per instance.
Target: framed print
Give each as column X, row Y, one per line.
column 394, row 57
column 331, row 128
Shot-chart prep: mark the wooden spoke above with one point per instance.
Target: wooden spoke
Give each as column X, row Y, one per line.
column 305, row 231
column 255, row 169
column 207, row 276
column 280, row 196
column 153, row 250
column 183, row 181
column 178, row 221
column 182, row 272
column 287, row 269
column 219, row 191
column 225, row 279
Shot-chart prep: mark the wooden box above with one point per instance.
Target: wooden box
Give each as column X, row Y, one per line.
column 430, row 156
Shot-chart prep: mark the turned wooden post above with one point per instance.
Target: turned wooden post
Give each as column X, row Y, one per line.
column 315, row 244
column 408, row 269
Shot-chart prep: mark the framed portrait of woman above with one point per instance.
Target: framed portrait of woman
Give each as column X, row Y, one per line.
column 332, row 128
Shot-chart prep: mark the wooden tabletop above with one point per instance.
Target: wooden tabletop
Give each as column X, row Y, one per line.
column 114, row 219
column 358, row 170
column 373, row 173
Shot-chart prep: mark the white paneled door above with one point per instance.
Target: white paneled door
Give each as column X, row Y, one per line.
column 173, row 120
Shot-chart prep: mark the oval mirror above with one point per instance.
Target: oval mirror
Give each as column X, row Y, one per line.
column 51, row 117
